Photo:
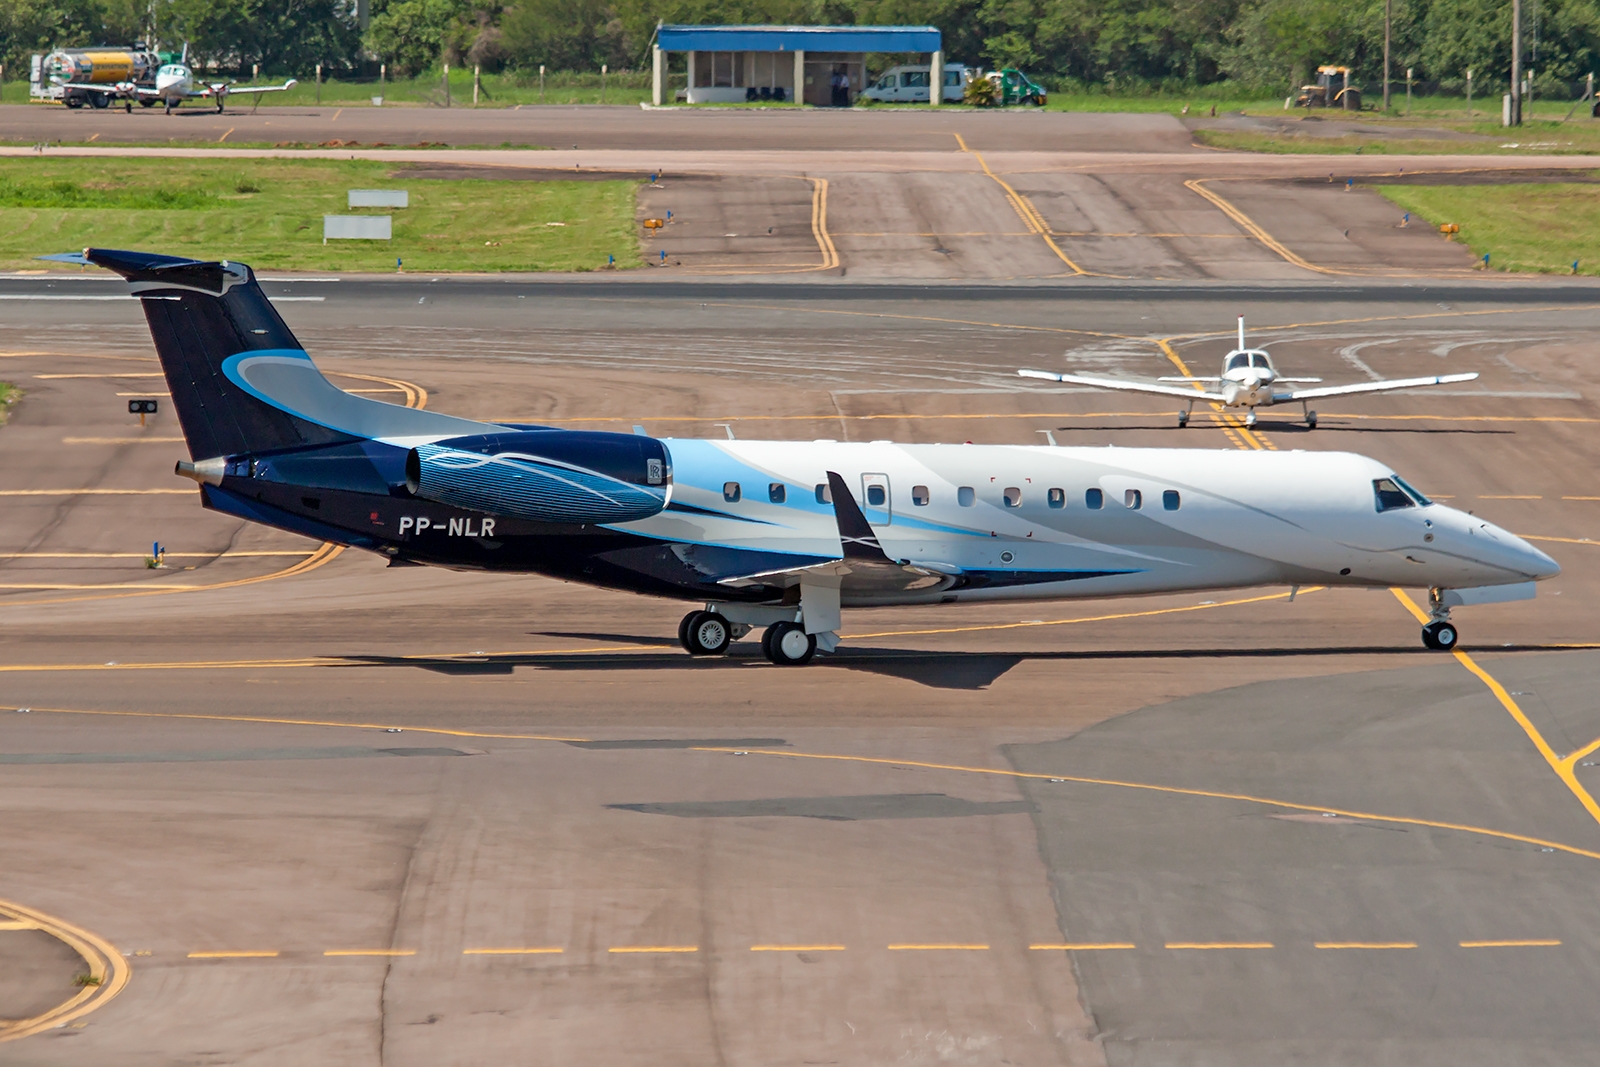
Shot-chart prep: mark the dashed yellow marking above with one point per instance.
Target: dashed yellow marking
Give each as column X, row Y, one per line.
column 240, row 954
column 1562, row 540
column 145, row 555
column 1506, row 496
column 107, row 969
column 1209, row 945
column 797, row 948
column 1088, row 946
column 370, row 952
column 1529, row 943
column 1028, row 213
column 938, row 948
column 1581, row 498
column 653, row 948
column 1364, row 944
column 512, row 951
column 386, row 727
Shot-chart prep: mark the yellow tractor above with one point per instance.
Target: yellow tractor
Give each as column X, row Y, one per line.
column 1331, row 90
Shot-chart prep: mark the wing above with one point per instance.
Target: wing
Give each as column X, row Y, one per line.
column 1128, row 387
column 1373, row 387
column 234, row 89
column 862, row 564
column 1192, row 378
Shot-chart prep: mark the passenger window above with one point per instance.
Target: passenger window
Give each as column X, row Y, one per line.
column 1094, row 499
column 777, row 492
column 876, row 495
column 1133, row 499
column 1058, row 498
column 730, row 492
column 919, row 496
column 966, row 496
column 1389, row 496
column 1013, row 497
column 824, row 494
column 1170, row 500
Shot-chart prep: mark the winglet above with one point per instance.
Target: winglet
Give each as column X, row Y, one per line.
column 855, row 532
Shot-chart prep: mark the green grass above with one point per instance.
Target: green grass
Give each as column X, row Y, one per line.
column 206, row 208
column 1537, row 228
column 9, row 394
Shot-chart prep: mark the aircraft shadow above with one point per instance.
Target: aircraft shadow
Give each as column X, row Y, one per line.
column 936, row 670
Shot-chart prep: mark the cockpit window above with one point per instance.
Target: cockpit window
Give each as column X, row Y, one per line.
column 1258, row 359
column 1237, row 360
column 1390, row 496
column 1411, row 492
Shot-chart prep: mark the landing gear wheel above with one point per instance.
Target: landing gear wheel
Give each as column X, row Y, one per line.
column 788, row 645
column 169, row 107
column 704, row 633
column 74, row 102
column 1250, row 420
column 100, row 101
column 1183, row 419
column 1311, row 420
column 219, row 105
column 1440, row 636
column 147, row 103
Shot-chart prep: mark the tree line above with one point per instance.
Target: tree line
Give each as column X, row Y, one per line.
column 1119, row 46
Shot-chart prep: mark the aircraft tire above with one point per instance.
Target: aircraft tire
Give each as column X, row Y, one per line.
column 100, row 101
column 1311, row 420
column 147, row 103
column 1440, row 636
column 705, row 633
column 1183, row 419
column 74, row 102
column 786, row 644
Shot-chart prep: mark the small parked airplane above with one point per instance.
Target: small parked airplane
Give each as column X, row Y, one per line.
column 1247, row 381
column 777, row 534
column 175, row 83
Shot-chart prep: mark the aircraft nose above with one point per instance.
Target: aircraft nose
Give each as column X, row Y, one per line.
column 1517, row 555
column 1539, row 565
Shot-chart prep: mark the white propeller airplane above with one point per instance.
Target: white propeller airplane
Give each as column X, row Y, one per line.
column 175, row 83
column 1248, row 380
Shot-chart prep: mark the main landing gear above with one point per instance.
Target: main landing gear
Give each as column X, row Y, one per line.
column 1440, row 634
column 1311, row 416
column 785, row 641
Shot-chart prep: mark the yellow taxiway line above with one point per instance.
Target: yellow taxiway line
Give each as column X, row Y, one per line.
column 107, row 972
column 644, row 949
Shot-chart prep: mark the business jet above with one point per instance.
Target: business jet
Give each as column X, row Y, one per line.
column 776, row 534
column 1248, row 380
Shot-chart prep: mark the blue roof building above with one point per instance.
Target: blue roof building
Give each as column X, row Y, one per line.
column 806, row 64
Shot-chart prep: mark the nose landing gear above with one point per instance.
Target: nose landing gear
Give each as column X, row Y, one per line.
column 1440, row 634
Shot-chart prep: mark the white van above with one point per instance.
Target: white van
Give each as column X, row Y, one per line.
column 910, row 85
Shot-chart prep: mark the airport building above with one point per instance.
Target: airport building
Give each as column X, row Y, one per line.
column 730, row 64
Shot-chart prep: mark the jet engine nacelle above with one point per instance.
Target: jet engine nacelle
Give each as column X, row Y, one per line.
column 563, row 476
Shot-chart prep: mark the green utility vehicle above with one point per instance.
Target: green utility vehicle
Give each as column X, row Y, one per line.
column 1014, row 89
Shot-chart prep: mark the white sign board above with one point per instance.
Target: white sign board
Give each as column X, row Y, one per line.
column 356, row 228
column 379, row 198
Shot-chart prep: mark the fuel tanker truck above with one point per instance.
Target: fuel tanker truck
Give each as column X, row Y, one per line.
column 94, row 76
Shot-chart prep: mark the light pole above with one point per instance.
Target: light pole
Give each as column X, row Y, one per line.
column 1516, row 62
column 1388, row 18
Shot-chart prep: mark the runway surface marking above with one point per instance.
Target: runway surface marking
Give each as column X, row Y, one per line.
column 1088, row 946
column 323, row 555
column 146, row 555
column 1198, row 186
column 819, row 231
column 1402, row 820
column 1208, row 945
column 1565, row 767
column 385, row 727
column 1028, row 213
column 1364, row 944
column 1233, row 426
column 323, row 661
column 1533, row 943
column 1067, row 622
column 107, row 972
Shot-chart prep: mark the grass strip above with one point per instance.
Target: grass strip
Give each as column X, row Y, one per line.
column 268, row 213
column 9, row 394
column 1534, row 228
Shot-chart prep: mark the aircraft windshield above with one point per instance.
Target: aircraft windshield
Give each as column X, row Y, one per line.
column 1258, row 359
column 1411, row 491
column 1237, row 360
column 1392, row 493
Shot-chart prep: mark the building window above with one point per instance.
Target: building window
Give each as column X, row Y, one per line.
column 777, row 492
column 1012, row 496
column 919, row 496
column 1058, row 498
column 730, row 492
column 1133, row 499
column 966, row 496
column 877, row 495
column 824, row 494
column 1094, row 500
column 1170, row 500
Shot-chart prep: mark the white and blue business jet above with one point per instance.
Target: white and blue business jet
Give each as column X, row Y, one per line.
column 780, row 535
